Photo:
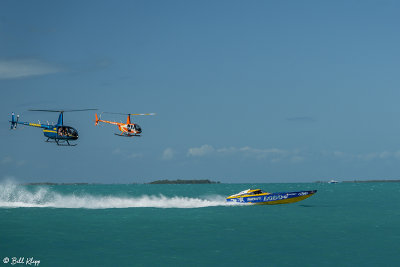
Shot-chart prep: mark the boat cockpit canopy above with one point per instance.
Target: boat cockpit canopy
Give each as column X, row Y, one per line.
column 250, row 192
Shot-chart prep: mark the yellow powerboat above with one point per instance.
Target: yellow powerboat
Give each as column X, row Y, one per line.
column 257, row 196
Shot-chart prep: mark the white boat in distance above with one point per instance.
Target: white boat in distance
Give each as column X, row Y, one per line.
column 333, row 182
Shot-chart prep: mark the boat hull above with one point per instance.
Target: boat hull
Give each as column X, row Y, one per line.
column 273, row 198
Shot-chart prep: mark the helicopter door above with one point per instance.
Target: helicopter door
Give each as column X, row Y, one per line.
column 62, row 131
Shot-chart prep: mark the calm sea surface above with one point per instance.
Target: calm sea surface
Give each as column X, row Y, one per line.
column 353, row 224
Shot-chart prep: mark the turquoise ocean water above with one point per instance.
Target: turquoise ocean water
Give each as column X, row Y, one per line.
column 348, row 224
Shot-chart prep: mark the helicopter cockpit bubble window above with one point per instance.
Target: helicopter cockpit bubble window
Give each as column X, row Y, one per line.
column 72, row 132
column 137, row 128
column 67, row 131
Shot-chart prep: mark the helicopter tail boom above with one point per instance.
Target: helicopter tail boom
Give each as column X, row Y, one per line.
column 109, row 122
column 15, row 121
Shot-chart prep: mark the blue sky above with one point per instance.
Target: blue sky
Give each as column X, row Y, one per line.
column 244, row 91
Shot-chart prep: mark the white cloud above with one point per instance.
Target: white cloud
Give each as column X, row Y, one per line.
column 385, row 154
column 296, row 159
column 126, row 154
column 339, row 154
column 271, row 154
column 369, row 156
column 21, row 162
column 116, row 151
column 7, row 160
column 14, row 69
column 200, row 151
column 254, row 152
column 135, row 155
column 168, row 154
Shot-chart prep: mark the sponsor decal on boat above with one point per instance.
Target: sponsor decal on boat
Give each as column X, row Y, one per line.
column 253, row 198
column 276, row 197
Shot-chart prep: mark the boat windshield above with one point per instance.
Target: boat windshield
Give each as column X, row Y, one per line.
column 247, row 192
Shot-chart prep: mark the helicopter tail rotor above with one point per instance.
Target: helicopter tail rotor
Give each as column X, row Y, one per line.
column 97, row 120
column 14, row 122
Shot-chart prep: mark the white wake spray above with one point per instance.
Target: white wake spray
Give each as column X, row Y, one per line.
column 12, row 195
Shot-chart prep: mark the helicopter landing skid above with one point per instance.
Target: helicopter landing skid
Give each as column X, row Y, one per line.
column 127, row 135
column 60, row 142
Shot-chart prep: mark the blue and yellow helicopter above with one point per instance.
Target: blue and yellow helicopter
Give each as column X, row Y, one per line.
column 60, row 133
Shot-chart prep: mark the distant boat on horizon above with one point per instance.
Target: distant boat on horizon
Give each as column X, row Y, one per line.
column 333, row 182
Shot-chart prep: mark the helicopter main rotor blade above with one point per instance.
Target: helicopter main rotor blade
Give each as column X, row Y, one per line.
column 130, row 114
column 142, row 114
column 46, row 110
column 86, row 109
column 70, row 110
column 115, row 113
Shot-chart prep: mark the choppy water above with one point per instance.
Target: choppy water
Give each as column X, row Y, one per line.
column 192, row 225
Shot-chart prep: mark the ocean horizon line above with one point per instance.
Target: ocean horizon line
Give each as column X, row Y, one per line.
column 185, row 182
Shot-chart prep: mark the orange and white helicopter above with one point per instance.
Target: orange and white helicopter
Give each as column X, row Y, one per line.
column 127, row 129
